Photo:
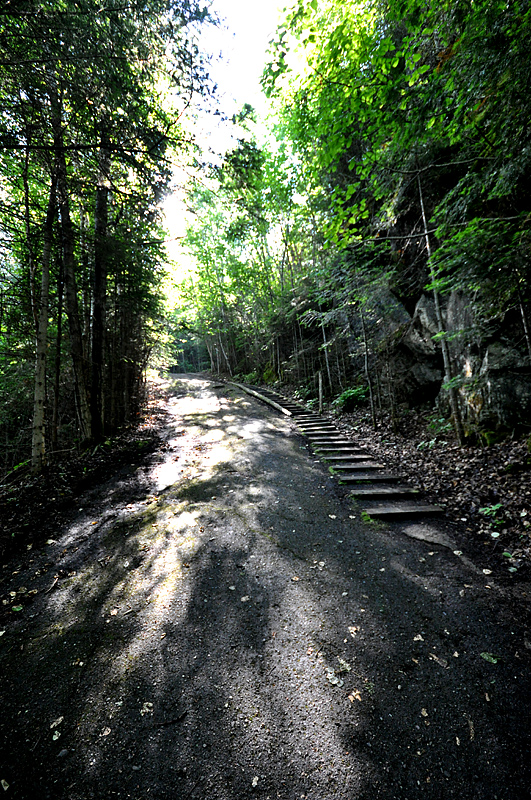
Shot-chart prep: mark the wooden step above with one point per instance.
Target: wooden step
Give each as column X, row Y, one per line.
column 313, row 432
column 404, row 509
column 328, row 440
column 369, row 477
column 367, row 464
column 343, row 461
column 375, row 492
column 327, row 452
column 328, row 445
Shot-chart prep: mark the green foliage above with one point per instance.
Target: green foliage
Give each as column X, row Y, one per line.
column 351, row 398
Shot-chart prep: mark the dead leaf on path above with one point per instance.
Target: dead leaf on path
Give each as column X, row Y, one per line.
column 5, row 785
column 254, row 781
column 418, row 638
column 440, row 661
column 424, row 712
column 355, row 695
column 147, row 708
column 353, row 630
column 105, row 731
column 332, row 678
column 114, row 612
column 56, row 722
column 343, row 665
column 295, row 578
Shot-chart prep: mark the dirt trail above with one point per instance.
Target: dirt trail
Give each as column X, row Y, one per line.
column 230, row 628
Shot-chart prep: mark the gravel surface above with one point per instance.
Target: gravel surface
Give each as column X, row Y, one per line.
column 220, row 623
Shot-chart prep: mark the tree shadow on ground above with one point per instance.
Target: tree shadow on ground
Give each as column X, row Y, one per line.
column 242, row 634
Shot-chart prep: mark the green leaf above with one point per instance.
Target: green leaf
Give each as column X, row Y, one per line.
column 489, row 657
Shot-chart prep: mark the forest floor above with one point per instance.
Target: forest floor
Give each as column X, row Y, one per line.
column 485, row 491
column 201, row 611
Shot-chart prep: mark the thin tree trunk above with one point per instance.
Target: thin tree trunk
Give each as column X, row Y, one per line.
column 27, row 226
column 448, row 372
column 57, row 366
column 325, row 348
column 72, row 307
column 525, row 324
column 367, row 369
column 38, row 442
column 100, row 291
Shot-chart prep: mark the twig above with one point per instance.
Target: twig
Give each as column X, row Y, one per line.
column 171, row 721
column 53, row 584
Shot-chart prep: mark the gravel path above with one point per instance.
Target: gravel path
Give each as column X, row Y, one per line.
column 225, row 626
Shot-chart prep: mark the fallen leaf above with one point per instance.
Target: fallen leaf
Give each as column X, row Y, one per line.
column 424, row 712
column 106, row 732
column 147, row 708
column 440, row 661
column 56, row 722
column 245, row 598
column 5, row 785
column 489, row 657
column 355, row 695
column 353, row 630
column 17, row 608
column 487, row 572
column 332, row 678
column 343, row 665
column 255, row 781
column 295, row 578
column 56, row 735
column 418, row 638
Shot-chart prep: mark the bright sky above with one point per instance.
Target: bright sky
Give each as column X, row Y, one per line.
column 238, row 47
column 243, row 40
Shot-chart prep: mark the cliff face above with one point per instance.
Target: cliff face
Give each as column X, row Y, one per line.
column 491, row 366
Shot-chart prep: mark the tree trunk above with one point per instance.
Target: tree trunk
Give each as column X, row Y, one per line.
column 72, row 306
column 447, row 362
column 57, row 366
column 367, row 369
column 38, row 440
column 100, row 291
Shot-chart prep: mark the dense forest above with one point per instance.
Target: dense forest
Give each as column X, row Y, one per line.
column 381, row 237
column 93, row 96
column 378, row 234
